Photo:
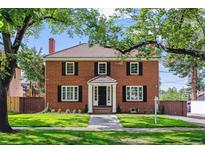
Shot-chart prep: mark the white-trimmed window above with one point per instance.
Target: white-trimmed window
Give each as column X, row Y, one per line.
column 134, row 68
column 134, row 93
column 69, row 93
column 102, row 68
column 70, row 68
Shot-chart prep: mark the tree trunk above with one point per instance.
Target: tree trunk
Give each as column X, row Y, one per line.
column 194, row 83
column 4, row 124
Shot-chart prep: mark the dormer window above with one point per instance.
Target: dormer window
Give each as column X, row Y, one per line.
column 102, row 68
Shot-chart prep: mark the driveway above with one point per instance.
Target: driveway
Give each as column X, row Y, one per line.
column 105, row 121
column 198, row 121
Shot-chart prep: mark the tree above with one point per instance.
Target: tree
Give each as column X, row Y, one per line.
column 21, row 23
column 155, row 31
column 173, row 94
column 187, row 66
column 31, row 63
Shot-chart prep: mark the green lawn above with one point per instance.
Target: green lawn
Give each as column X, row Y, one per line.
column 142, row 121
column 73, row 120
column 102, row 137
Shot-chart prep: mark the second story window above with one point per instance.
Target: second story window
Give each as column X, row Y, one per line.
column 70, row 68
column 134, row 68
column 102, row 68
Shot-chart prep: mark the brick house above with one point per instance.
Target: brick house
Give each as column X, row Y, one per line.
column 94, row 78
column 15, row 87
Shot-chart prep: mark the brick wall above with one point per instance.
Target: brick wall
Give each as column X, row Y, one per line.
column 173, row 107
column 86, row 72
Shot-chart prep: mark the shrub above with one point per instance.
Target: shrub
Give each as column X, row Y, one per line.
column 86, row 109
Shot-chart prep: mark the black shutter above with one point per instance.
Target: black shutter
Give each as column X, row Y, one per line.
column 76, row 68
column 124, row 93
column 80, row 93
column 128, row 68
column 144, row 93
column 108, row 68
column 59, row 93
column 63, row 68
column 95, row 69
column 140, row 68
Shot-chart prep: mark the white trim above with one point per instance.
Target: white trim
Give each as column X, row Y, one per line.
column 95, row 59
column 67, row 69
column 99, row 68
column 108, row 102
column 130, row 100
column 114, row 104
column 131, row 68
column 70, row 100
column 101, row 84
column 90, row 99
column 95, row 102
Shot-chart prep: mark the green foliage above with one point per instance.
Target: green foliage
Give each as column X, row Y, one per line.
column 61, row 120
column 31, row 62
column 168, row 29
column 147, row 121
column 3, row 66
column 173, row 94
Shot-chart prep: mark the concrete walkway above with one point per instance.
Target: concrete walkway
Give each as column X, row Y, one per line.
column 104, row 122
column 198, row 121
column 108, row 129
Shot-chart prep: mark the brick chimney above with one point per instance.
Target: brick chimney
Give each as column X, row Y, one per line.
column 51, row 46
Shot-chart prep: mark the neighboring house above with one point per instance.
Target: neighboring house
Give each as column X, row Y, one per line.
column 94, row 76
column 201, row 96
column 15, row 87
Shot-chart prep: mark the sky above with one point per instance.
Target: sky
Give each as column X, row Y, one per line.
column 63, row 41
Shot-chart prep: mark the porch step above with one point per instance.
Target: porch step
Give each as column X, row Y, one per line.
column 102, row 109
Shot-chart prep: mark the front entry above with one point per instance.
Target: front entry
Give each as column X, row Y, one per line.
column 102, row 96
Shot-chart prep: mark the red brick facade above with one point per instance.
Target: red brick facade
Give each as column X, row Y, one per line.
column 149, row 78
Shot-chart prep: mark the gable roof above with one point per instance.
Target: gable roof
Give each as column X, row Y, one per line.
column 84, row 51
column 102, row 79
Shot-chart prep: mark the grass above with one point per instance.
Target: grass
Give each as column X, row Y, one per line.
column 102, row 137
column 143, row 121
column 63, row 120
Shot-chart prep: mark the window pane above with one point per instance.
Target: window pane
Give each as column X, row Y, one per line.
column 102, row 68
column 95, row 94
column 108, row 95
column 134, row 68
column 70, row 68
column 134, row 93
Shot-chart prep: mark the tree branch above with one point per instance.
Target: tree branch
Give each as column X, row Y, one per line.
column 182, row 51
column 20, row 33
column 44, row 18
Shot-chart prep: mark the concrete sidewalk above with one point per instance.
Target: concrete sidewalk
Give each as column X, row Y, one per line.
column 106, row 129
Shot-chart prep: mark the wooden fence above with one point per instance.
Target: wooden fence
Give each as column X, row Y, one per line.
column 25, row 104
column 173, row 107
